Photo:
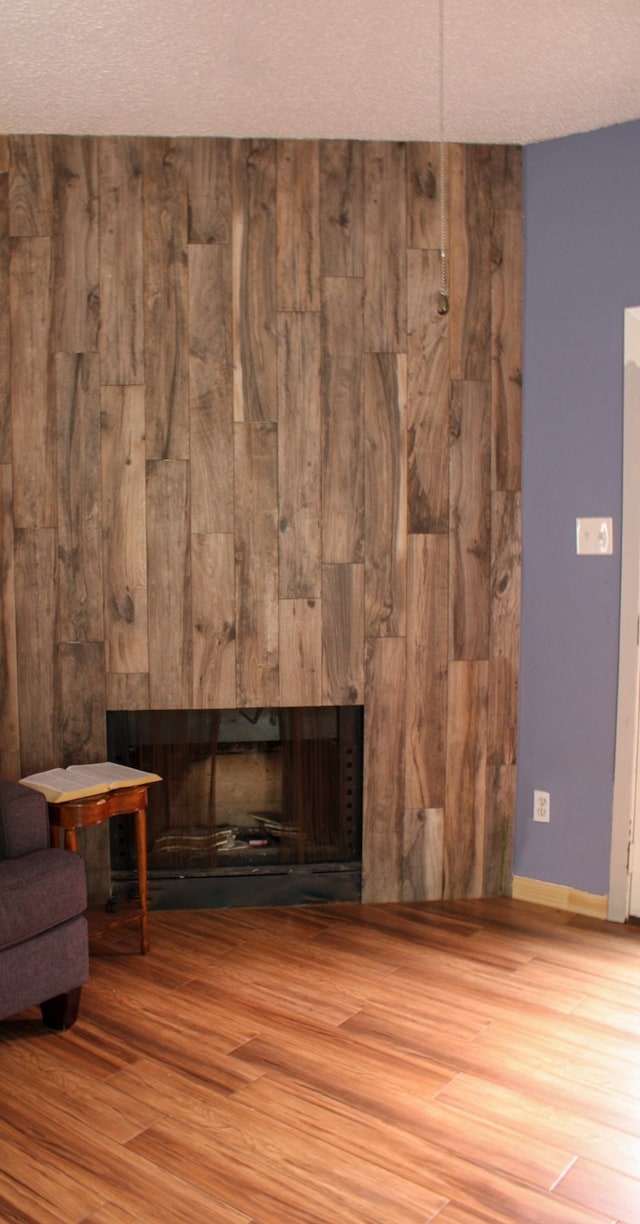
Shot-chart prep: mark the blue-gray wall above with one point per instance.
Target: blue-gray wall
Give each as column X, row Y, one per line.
column 582, row 267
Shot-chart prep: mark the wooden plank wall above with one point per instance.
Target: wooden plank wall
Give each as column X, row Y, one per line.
column 243, row 461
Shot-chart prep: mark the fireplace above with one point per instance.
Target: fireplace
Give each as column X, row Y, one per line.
column 255, row 807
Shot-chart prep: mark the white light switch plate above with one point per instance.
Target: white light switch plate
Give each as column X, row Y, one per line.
column 594, row 537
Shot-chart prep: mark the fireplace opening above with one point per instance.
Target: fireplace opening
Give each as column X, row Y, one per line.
column 256, row 806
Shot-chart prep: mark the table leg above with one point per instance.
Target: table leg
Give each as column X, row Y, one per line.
column 141, row 854
column 71, row 840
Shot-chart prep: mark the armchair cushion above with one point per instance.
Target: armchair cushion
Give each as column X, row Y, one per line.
column 24, row 825
column 39, row 891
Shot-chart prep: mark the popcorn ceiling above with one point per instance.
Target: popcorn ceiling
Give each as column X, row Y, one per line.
column 516, row 71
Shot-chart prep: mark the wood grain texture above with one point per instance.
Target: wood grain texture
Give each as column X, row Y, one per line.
column 506, row 380
column 124, row 533
column 383, row 769
column 466, row 779
column 506, row 531
column 341, row 208
column 213, row 609
column 427, row 654
column 33, row 418
column 256, row 564
column 506, row 176
column 385, row 242
column 5, row 331
column 423, row 196
column 165, row 302
column 299, row 455
column 470, row 215
column 121, row 261
column 385, row 421
column 343, row 664
column 427, row 397
column 35, row 586
column 298, row 225
column 207, row 169
column 169, row 586
column 30, row 187
column 128, row 691
column 80, row 616
column 470, row 521
column 76, row 303
column 301, row 662
column 254, row 280
column 211, row 388
column 423, row 854
column 342, row 421
column 498, row 831
column 9, row 705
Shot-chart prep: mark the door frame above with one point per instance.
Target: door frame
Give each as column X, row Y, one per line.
column 625, row 780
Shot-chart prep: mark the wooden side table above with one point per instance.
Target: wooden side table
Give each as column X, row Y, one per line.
column 73, row 814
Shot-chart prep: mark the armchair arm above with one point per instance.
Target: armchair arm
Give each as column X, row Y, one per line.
column 24, row 823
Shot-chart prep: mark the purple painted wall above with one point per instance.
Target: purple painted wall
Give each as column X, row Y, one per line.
column 582, row 268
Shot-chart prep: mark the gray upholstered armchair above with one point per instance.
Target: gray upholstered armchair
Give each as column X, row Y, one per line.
column 44, row 956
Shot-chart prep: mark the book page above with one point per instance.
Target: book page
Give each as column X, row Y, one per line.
column 109, row 774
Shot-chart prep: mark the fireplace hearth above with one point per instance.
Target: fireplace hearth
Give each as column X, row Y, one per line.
column 255, row 807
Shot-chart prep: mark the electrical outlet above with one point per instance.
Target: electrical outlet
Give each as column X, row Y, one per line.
column 541, row 806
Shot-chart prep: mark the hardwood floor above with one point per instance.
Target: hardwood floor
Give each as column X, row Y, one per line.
column 469, row 1062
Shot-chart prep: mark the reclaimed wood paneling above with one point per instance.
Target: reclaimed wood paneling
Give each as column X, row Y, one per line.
column 213, row 610
column 465, row 819
column 343, row 665
column 210, row 388
column 35, row 586
column 506, row 353
column 33, row 417
column 342, row 421
column 124, row 529
column 169, row 589
column 76, row 303
column 128, row 691
column 254, row 280
column 423, row 854
column 427, row 397
column 5, row 332
column 301, row 661
column 121, row 261
column 470, row 216
column 384, row 748
column 9, row 704
column 298, row 225
column 299, row 454
column 256, row 582
column 427, row 652
column 385, row 408
column 385, row 248
column 30, row 187
column 81, row 668
column 207, row 168
column 505, row 625
column 498, row 833
column 341, row 208
column 506, row 176
column 423, row 196
column 165, row 302
column 79, row 510
column 470, row 521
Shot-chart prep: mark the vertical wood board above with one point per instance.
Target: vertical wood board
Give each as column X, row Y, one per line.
column 122, row 350
column 169, row 585
column 33, row 416
column 384, row 746
column 341, row 208
column 9, row 706
column 385, row 243
column 427, row 398
column 343, row 664
column 427, row 653
column 342, row 421
column 207, row 170
column 213, row 609
column 506, row 367
column 254, row 280
column 301, row 652
column 76, row 301
column 464, row 841
column 299, row 454
column 30, row 187
column 256, row 565
column 35, row 587
column 423, row 854
column 470, row 220
column 210, row 389
column 298, row 225
column 470, row 522
column 385, row 407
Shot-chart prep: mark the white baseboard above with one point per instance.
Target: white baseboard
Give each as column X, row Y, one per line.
column 559, row 896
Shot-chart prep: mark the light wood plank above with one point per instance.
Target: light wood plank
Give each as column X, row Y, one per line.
column 385, row 409
column 30, row 187
column 342, row 421
column 125, row 540
column 169, row 585
column 470, row 522
column 506, row 534
column 423, row 854
column 423, row 195
column 121, row 261
column 211, row 388
column 254, row 280
column 427, row 397
column 343, row 651
column 466, row 779
column 214, row 652
column 427, row 655
column 301, row 662
column 499, row 829
column 33, row 416
column 506, row 369
column 299, row 442
column 256, row 536
column 385, row 242
column 75, row 250
column 298, row 225
column 207, row 169
column 384, row 749
column 127, row 691
column 341, row 208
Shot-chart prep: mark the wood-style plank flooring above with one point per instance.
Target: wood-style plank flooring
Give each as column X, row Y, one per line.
column 468, row 1062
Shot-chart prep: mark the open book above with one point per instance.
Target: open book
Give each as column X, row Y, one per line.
column 80, row 781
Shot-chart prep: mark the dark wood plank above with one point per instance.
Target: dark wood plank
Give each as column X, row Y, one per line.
column 466, row 779
column 341, row 208
column 254, row 280
column 342, row 421
column 385, row 243
column 470, row 522
column 210, row 388
column 128, row 691
column 427, row 656
column 33, row 414
column 470, row 217
column 423, row 196
column 385, row 408
column 214, row 652
column 498, row 831
column 384, row 769
column 35, row 586
column 343, row 634
column 83, row 730
column 80, row 616
column 76, row 299
column 207, row 169
column 427, row 397
column 30, row 186
column 121, row 261
column 256, row 536
column 299, row 455
column 5, row 333
column 166, row 360
column 506, row 533
column 298, row 225
column 506, row 366
column 422, row 854
column 169, row 586
column 9, row 710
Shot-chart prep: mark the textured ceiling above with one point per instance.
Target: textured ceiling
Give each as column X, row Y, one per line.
column 515, row 71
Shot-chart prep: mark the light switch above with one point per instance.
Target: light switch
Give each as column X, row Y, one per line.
column 594, row 537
